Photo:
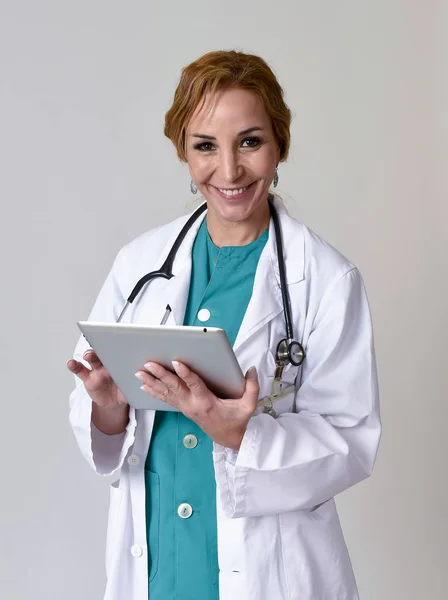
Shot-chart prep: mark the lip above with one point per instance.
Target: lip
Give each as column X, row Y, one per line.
column 235, row 196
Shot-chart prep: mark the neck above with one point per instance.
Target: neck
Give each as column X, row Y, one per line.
column 239, row 233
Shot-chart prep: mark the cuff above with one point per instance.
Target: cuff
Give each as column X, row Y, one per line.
column 231, row 475
column 104, row 453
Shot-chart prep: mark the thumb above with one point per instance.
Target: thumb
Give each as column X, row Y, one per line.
column 251, row 374
column 252, row 387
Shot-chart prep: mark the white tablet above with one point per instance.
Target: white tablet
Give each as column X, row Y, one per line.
column 123, row 349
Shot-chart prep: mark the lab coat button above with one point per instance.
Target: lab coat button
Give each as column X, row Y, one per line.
column 204, row 314
column 133, row 460
column 184, row 511
column 136, row 551
column 190, row 441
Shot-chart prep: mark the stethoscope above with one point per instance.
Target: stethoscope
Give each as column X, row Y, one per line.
column 289, row 351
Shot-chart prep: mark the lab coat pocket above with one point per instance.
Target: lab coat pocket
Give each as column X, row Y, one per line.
column 153, row 521
column 290, row 377
column 266, row 372
column 320, row 510
column 115, row 497
column 267, row 368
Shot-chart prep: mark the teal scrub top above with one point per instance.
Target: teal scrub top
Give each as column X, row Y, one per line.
column 179, row 472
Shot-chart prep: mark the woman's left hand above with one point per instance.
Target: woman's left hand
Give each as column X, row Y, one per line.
column 223, row 420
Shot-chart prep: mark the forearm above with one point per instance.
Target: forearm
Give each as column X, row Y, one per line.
column 293, row 463
column 110, row 420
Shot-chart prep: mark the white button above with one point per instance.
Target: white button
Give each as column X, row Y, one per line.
column 190, row 441
column 204, row 314
column 184, row 511
column 136, row 551
column 133, row 460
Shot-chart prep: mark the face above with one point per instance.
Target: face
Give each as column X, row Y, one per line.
column 232, row 154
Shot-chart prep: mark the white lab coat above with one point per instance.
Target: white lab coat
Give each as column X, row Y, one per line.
column 279, row 536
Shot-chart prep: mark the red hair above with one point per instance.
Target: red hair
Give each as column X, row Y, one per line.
column 222, row 70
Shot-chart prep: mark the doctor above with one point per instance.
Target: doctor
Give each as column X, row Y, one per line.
column 223, row 500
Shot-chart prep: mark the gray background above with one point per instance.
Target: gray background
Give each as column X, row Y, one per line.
column 85, row 167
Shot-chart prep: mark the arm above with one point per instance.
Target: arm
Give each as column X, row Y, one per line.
column 303, row 459
column 104, row 435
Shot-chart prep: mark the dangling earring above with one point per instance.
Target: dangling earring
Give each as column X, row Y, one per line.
column 193, row 188
column 275, row 182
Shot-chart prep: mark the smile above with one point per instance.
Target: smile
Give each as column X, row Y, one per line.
column 236, row 193
column 233, row 192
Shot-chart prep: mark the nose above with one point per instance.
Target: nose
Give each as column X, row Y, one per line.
column 230, row 166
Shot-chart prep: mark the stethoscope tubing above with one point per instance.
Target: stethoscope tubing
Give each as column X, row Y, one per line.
column 285, row 348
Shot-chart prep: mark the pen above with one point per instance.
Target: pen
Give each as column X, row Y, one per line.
column 166, row 315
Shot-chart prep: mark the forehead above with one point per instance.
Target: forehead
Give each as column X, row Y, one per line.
column 235, row 109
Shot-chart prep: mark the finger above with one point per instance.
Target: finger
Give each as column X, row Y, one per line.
column 146, row 378
column 170, row 380
column 92, row 358
column 193, row 381
column 78, row 369
column 159, row 390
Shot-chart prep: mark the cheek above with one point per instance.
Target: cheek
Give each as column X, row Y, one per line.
column 263, row 162
column 200, row 168
column 264, row 168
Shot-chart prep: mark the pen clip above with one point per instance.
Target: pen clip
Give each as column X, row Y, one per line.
column 166, row 315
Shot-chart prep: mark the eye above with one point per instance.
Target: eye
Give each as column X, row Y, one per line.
column 204, row 147
column 251, row 142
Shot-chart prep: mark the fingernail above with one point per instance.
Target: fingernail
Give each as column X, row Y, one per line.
column 252, row 373
column 175, row 364
column 139, row 376
column 149, row 367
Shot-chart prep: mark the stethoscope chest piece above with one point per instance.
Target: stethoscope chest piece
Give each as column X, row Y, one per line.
column 289, row 351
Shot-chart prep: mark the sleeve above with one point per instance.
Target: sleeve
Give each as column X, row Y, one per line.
column 105, row 453
column 302, row 459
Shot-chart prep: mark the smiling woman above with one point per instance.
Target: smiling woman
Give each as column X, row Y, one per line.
column 232, row 154
column 222, row 498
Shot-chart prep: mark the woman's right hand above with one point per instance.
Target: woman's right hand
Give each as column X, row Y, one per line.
column 110, row 411
column 98, row 383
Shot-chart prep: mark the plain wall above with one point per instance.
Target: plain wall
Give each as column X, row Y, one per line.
column 84, row 87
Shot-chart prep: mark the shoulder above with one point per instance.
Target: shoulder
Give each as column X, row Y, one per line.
column 148, row 246
column 322, row 257
column 323, row 265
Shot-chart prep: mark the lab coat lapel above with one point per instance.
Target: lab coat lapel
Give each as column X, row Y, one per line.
column 266, row 301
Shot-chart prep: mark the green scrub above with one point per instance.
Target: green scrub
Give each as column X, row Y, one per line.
column 182, row 548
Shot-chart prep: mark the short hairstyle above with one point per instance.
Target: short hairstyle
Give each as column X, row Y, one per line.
column 222, row 70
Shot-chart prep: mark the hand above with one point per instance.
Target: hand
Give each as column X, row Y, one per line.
column 98, row 383
column 224, row 421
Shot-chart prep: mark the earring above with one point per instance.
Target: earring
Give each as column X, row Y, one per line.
column 275, row 182
column 193, row 188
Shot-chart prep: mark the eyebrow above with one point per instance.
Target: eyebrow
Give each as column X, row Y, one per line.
column 210, row 137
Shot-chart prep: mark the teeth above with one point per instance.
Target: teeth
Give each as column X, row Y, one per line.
column 233, row 192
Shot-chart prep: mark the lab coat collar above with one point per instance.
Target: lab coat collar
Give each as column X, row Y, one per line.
column 293, row 245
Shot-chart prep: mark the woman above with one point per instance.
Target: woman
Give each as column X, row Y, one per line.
column 221, row 499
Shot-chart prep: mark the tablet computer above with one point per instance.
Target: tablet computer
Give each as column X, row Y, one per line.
column 123, row 348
